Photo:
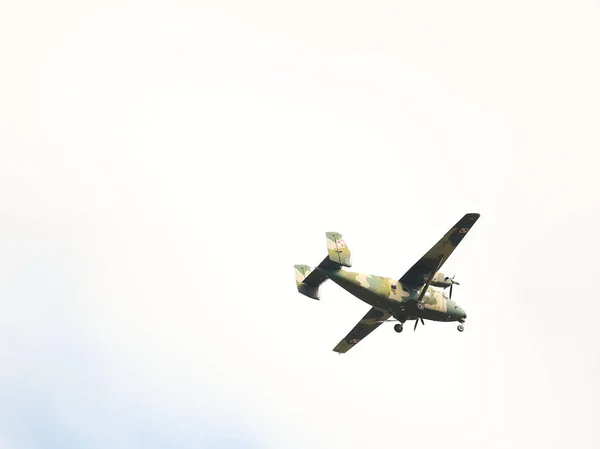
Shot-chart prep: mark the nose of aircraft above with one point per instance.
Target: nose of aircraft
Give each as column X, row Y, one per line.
column 460, row 313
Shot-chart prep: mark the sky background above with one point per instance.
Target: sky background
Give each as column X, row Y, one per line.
column 165, row 164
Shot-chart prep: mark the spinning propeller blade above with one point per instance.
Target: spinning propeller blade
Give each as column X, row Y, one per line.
column 452, row 282
column 417, row 322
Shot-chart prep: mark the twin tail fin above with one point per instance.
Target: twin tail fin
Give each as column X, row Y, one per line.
column 308, row 280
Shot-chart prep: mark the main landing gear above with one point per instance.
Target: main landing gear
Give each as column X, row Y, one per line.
column 398, row 327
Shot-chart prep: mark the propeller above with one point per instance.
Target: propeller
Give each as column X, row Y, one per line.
column 417, row 322
column 452, row 282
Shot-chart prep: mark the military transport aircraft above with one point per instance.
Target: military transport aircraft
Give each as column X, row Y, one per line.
column 412, row 297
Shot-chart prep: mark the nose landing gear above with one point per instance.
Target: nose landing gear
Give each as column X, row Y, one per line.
column 460, row 328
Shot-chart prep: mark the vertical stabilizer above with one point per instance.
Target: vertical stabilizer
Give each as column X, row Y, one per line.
column 337, row 249
column 308, row 286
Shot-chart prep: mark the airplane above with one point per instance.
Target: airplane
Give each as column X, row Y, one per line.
column 412, row 297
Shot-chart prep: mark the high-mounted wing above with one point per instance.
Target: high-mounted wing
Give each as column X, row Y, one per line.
column 433, row 260
column 371, row 321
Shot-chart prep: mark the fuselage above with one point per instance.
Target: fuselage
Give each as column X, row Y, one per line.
column 396, row 298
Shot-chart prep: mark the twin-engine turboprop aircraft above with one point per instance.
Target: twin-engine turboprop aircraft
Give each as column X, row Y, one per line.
column 412, row 297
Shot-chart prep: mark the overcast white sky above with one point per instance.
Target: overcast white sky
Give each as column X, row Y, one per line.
column 165, row 164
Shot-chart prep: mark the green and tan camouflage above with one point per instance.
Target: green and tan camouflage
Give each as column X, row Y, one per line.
column 337, row 249
column 412, row 297
column 302, row 272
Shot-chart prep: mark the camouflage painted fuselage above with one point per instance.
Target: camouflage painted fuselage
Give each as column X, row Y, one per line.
column 400, row 301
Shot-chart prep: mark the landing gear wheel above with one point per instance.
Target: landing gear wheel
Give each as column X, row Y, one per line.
column 460, row 328
column 398, row 328
column 420, row 306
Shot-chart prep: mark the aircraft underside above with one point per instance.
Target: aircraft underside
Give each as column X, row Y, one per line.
column 412, row 297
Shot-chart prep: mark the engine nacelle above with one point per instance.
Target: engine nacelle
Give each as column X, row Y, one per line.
column 441, row 280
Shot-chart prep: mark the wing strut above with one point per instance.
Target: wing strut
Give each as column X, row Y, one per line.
column 424, row 290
